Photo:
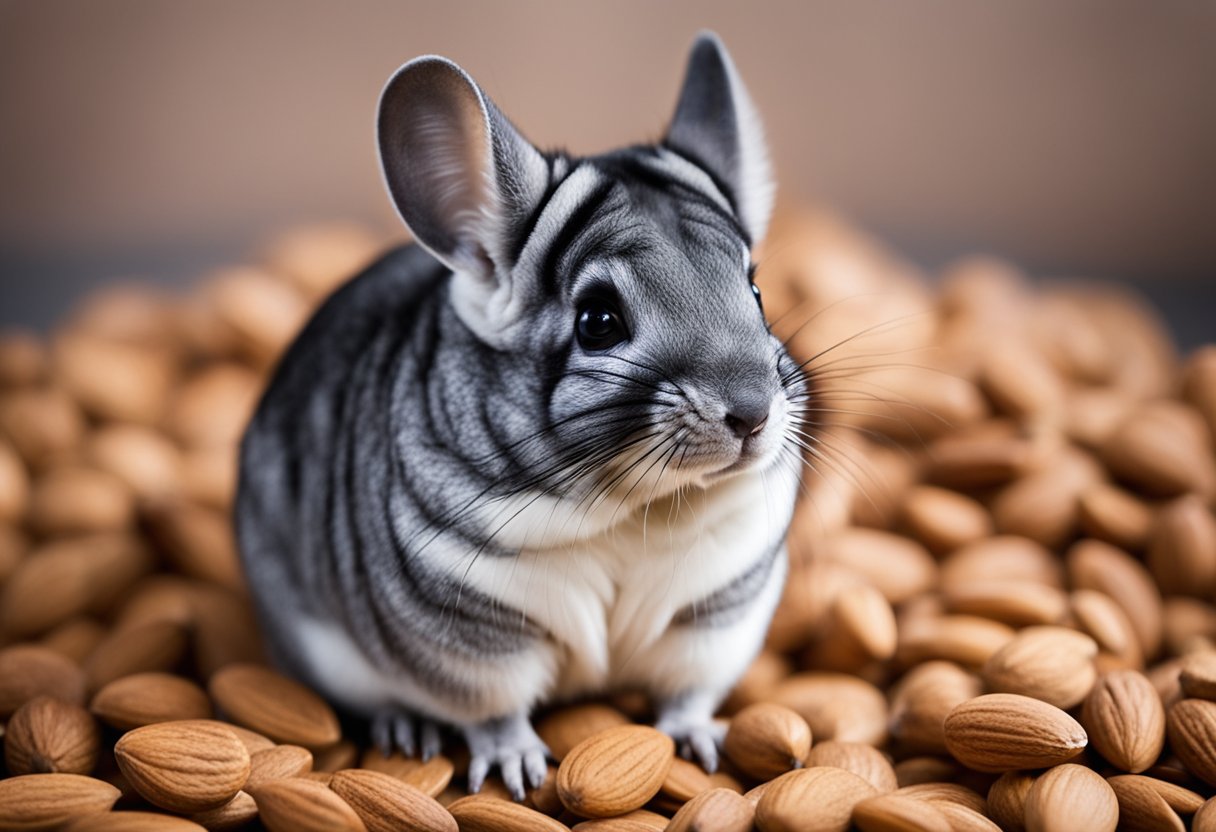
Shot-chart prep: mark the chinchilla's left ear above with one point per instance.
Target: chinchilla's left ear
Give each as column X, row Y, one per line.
column 716, row 126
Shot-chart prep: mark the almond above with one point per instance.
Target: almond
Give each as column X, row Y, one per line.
column 1001, row 558
column 1071, row 797
column 234, row 814
column 1182, row 554
column 1197, row 676
column 301, row 805
column 860, row 628
column 145, row 698
column 898, row 567
column 865, row 761
column 386, row 804
column 75, row 638
column 1053, row 664
column 274, row 705
column 567, row 727
column 133, row 822
column 1020, row 381
column 1190, row 626
column 476, row 813
column 836, row 706
column 944, row 520
column 811, row 798
column 147, row 463
column 1044, row 505
column 186, row 766
column 47, row 801
column 1098, row 616
column 898, row 813
column 717, row 810
column 1095, row 565
column 619, row 824
column 198, row 541
column 27, row 671
column 277, row 763
column 1191, row 726
column 114, row 381
column 1007, row 800
column 431, row 777
column 1142, row 808
column 212, row 408
column 46, row 735
column 684, row 781
column 976, row 460
column 965, row 639
column 1001, row 732
column 951, row 794
column 614, row 771
column 923, row 699
column 917, row 770
column 1013, row 602
column 1205, row 818
column 1125, row 720
column 765, row 740
column 23, row 358
column 14, row 484
column 153, row 647
column 1114, row 515
column 963, row 819
column 77, row 500
column 1150, row 452
column 42, row 424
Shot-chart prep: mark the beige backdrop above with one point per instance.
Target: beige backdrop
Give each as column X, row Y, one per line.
column 1075, row 135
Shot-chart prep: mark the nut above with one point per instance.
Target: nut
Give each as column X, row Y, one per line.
column 765, row 740
column 1001, row 732
column 186, row 766
column 274, row 705
column 1125, row 720
column 614, row 771
column 1071, row 797
column 46, row 736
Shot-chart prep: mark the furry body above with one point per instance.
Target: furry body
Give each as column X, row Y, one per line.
column 449, row 508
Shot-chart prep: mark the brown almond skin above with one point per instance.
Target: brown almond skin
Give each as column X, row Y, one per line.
column 46, row 736
column 1053, row 664
column 684, row 781
column 386, row 804
column 1125, row 720
column 717, row 810
column 946, row 793
column 923, row 699
column 36, row 802
column 297, row 804
column 1141, row 807
column 154, row 647
column 1071, row 797
column 133, row 822
column 431, row 777
column 1198, row 675
column 1093, row 564
column 478, row 813
column 1191, row 727
column 1007, row 800
column 820, row 798
column 234, row 814
column 836, row 706
column 1182, row 553
column 277, row 763
column 274, row 705
column 898, row 813
column 186, row 766
column 614, row 771
column 765, row 740
column 944, row 520
column 146, row 698
column 1001, row 732
column 866, row 761
column 567, row 727
column 27, row 671
column 1205, row 818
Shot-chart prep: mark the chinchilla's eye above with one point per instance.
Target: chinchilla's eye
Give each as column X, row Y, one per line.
column 756, row 294
column 599, row 326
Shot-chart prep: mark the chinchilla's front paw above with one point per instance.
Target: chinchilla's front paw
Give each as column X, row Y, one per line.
column 698, row 739
column 510, row 744
column 400, row 729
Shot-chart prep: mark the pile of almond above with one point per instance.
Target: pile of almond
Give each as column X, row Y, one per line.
column 999, row 614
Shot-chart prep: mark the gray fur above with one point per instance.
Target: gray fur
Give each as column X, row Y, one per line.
column 417, row 400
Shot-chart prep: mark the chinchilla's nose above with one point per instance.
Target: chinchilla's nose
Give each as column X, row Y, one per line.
column 747, row 412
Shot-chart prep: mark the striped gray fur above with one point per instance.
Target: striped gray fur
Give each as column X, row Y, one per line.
column 433, row 399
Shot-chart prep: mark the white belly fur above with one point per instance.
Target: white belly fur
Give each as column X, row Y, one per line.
column 606, row 600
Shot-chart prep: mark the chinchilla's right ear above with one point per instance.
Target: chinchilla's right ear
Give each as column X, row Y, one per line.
column 463, row 179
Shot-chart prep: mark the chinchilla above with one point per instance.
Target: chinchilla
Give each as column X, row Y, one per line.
column 547, row 451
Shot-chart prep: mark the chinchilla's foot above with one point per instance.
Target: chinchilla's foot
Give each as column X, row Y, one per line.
column 511, row 744
column 400, row 729
column 689, row 721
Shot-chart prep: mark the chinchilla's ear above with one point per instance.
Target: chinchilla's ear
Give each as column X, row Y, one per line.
column 716, row 126
column 462, row 177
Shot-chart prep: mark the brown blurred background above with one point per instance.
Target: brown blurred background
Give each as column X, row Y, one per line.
column 150, row 139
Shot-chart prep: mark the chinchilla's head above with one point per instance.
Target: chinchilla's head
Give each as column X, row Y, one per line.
column 620, row 284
